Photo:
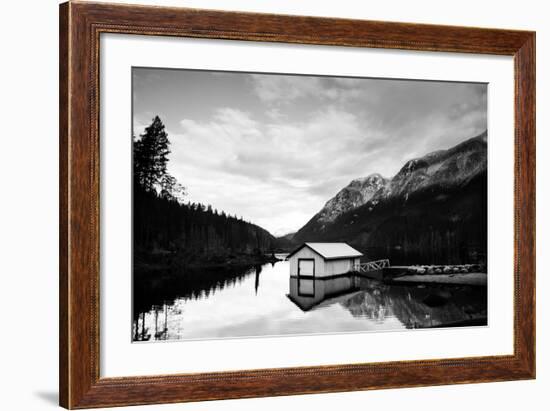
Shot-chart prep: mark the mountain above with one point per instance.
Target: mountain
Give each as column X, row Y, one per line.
column 354, row 195
column 434, row 210
column 284, row 243
column 443, row 168
column 287, row 237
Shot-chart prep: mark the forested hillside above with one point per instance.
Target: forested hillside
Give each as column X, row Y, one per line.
column 167, row 230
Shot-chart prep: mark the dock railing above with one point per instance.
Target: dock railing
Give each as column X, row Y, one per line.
column 372, row 265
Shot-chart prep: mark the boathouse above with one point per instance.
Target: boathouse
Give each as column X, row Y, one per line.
column 323, row 260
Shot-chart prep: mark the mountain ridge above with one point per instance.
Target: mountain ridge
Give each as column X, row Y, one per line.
column 436, row 180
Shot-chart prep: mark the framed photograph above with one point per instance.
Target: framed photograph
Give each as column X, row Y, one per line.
column 259, row 205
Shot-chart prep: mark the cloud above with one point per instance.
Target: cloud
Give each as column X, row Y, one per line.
column 274, row 114
column 282, row 89
column 261, row 170
column 272, row 88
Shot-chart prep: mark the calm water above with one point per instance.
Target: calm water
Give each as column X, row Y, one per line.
column 263, row 300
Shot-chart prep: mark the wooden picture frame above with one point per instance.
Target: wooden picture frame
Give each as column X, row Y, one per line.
column 80, row 27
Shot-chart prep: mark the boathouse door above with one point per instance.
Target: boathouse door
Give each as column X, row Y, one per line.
column 306, row 272
column 306, row 267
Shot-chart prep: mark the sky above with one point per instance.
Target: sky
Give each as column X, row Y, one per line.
column 275, row 148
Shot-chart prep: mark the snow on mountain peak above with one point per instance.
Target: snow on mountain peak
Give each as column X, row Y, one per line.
column 442, row 167
column 436, row 172
column 355, row 194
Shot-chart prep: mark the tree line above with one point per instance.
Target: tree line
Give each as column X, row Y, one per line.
column 163, row 223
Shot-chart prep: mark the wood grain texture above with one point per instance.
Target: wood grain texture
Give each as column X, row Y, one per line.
column 80, row 27
column 524, row 203
column 63, row 206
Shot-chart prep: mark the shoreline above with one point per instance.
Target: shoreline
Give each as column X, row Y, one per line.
column 152, row 265
column 474, row 279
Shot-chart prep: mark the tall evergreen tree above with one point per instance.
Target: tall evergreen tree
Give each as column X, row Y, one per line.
column 151, row 155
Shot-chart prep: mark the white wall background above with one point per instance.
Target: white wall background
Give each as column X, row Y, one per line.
column 28, row 206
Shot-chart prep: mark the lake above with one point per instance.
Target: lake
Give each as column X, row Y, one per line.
column 264, row 301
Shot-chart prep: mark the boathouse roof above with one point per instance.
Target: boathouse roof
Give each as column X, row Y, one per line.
column 330, row 251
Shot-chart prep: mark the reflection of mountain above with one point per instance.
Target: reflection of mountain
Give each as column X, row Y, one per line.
column 371, row 303
column 413, row 306
column 434, row 210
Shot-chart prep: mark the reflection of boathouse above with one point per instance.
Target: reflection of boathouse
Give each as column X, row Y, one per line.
column 310, row 293
column 323, row 260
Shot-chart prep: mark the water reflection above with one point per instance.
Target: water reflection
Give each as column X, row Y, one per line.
column 309, row 293
column 258, row 270
column 413, row 306
column 420, row 306
column 261, row 300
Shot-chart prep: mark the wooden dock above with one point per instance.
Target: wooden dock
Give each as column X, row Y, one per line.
column 467, row 274
column 372, row 266
column 373, row 269
column 474, row 279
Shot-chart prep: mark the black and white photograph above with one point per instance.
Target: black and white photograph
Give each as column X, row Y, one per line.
column 281, row 204
column 275, row 205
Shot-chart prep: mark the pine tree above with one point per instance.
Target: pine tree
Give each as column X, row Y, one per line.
column 151, row 155
column 171, row 189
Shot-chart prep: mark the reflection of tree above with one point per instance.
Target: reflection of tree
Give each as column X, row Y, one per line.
column 160, row 314
column 141, row 333
column 160, row 334
column 258, row 270
column 161, row 290
column 459, row 304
